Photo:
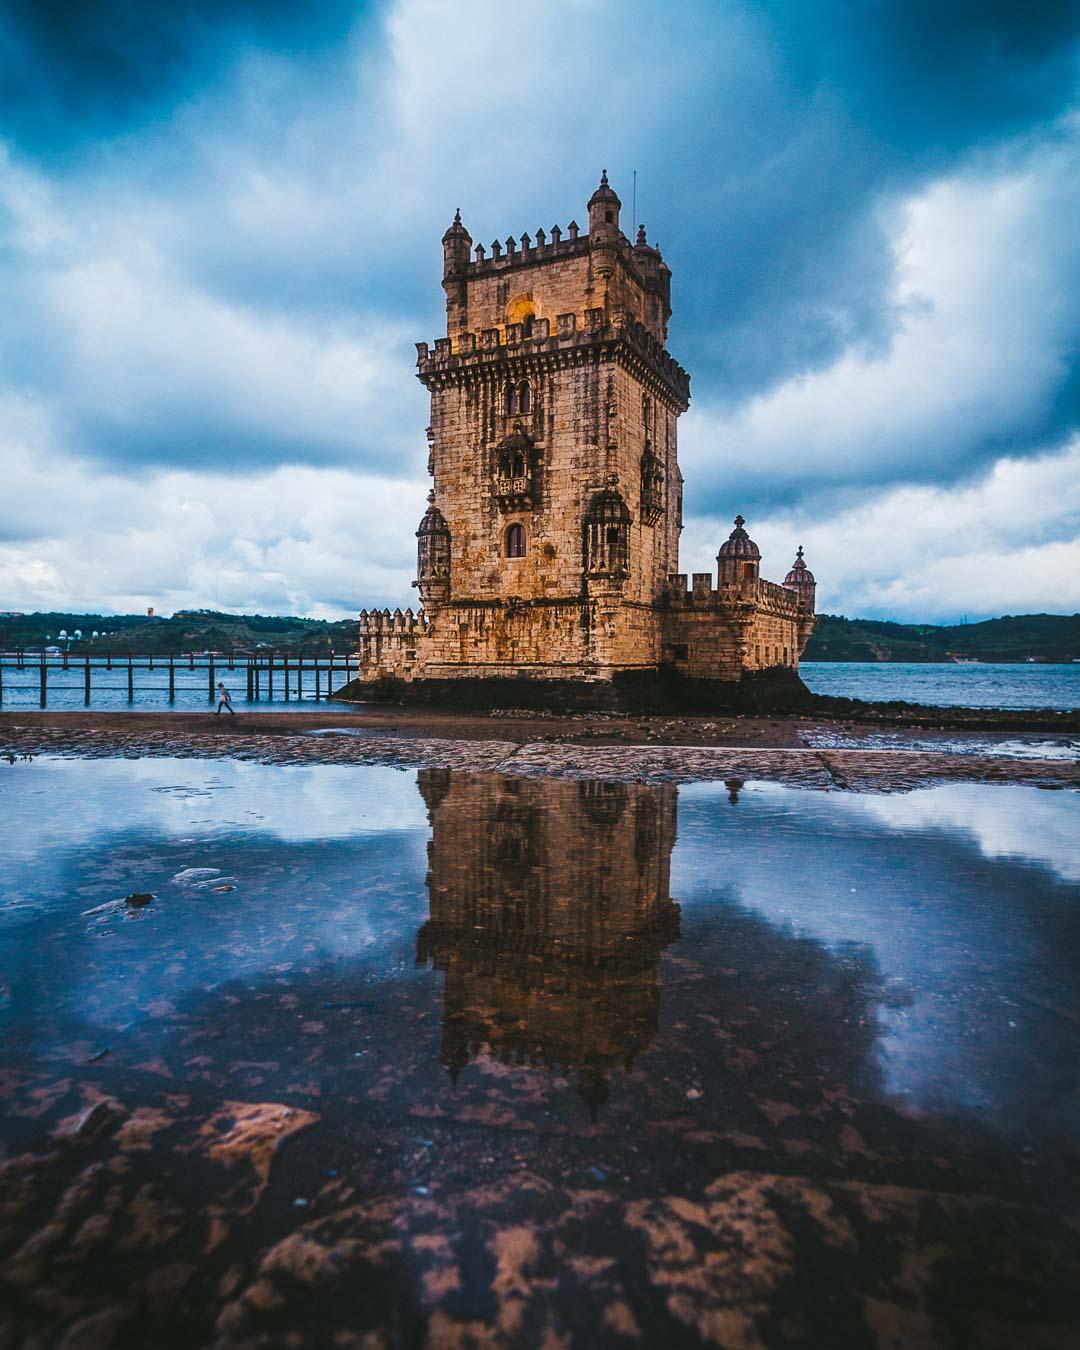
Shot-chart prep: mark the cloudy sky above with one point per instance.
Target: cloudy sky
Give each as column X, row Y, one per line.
column 219, row 239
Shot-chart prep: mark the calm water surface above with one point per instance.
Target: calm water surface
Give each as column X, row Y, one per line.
column 1004, row 685
column 450, row 1055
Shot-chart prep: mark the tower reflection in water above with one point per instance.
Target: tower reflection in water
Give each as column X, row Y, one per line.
column 548, row 913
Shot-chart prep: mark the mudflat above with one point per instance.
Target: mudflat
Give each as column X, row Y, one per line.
column 802, row 751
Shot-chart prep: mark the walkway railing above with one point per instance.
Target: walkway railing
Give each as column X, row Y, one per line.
column 266, row 675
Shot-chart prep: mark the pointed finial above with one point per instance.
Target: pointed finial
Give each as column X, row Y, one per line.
column 641, row 240
column 603, row 178
column 739, row 522
column 457, row 215
column 798, row 552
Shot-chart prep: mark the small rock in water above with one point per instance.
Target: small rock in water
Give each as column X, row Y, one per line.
column 190, row 875
column 694, row 1094
column 138, row 898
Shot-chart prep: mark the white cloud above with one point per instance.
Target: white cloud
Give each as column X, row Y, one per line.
column 987, row 301
column 292, row 540
column 1006, row 544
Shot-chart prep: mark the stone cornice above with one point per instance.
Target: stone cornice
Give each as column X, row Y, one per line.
column 483, row 356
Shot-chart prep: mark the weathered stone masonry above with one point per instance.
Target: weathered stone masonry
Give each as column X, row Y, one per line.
column 550, row 545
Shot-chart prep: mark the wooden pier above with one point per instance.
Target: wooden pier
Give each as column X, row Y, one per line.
column 293, row 676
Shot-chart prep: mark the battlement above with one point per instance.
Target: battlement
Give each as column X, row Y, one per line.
column 489, row 346
column 700, row 594
column 527, row 252
column 381, row 623
column 510, row 253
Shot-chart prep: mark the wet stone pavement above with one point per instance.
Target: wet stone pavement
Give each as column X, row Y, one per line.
column 435, row 1057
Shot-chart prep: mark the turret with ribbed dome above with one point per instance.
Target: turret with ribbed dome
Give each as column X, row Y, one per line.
column 433, row 555
column 801, row 580
column 739, row 559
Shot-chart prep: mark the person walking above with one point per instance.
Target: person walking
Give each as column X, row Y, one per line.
column 224, row 701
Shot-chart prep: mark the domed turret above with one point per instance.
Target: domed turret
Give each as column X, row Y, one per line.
column 801, row 580
column 456, row 244
column 433, row 554
column 604, row 206
column 739, row 558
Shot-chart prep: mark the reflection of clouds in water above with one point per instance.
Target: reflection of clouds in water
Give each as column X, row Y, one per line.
column 956, row 890
column 293, row 803
column 1018, row 823
column 323, row 864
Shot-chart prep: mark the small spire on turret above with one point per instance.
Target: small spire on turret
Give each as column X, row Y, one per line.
column 642, row 242
column 496, row 249
column 572, row 229
column 556, row 234
column 511, row 243
column 457, row 230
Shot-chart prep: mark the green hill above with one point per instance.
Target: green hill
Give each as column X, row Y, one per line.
column 1044, row 637
column 186, row 631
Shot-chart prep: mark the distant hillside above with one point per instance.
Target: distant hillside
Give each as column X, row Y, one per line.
column 1046, row 637
column 187, row 631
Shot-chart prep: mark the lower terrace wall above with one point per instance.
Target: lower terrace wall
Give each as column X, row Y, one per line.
column 722, row 634
column 538, row 639
column 699, row 633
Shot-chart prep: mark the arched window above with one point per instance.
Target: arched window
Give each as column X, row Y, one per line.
column 515, row 541
column 524, row 397
column 511, row 400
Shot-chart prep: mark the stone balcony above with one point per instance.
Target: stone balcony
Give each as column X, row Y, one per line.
column 515, row 494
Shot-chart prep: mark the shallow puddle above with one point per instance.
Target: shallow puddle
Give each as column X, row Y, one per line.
column 484, row 1060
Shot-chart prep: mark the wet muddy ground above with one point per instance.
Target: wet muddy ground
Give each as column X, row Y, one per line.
column 808, row 754
column 437, row 1057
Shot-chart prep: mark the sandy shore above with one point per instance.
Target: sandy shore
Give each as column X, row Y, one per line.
column 812, row 754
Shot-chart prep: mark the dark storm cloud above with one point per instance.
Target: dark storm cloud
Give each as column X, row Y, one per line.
column 71, row 70
column 772, row 140
column 869, row 99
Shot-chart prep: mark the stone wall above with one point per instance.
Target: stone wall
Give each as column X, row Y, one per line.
column 718, row 634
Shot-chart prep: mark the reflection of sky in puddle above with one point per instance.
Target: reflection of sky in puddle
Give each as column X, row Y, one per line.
column 964, row 895
column 961, row 898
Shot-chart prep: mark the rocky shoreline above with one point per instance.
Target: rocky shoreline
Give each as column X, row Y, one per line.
column 592, row 748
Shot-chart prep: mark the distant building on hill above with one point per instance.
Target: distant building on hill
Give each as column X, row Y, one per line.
column 550, row 545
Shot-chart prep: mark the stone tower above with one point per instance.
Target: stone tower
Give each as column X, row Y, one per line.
column 550, row 545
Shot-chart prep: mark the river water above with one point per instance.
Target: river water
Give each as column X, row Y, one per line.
column 948, row 684
column 976, row 686
column 488, row 1060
